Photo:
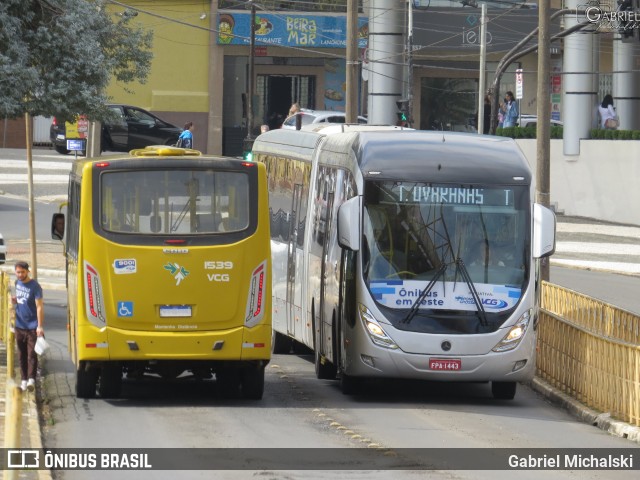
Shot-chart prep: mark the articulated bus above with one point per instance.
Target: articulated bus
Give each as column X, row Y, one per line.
column 168, row 270
column 405, row 254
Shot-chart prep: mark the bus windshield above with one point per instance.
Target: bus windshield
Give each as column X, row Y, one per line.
column 170, row 202
column 466, row 244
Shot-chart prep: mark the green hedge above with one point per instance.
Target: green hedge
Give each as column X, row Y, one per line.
column 526, row 132
column 602, row 134
column 556, row 133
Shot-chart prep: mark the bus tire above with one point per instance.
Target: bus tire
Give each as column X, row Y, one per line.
column 348, row 384
column 253, row 382
column 110, row 381
column 61, row 150
column 85, row 381
column 503, row 390
column 325, row 370
column 280, row 343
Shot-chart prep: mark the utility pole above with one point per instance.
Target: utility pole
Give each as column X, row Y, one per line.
column 247, row 144
column 351, row 106
column 410, row 62
column 483, row 69
column 32, row 210
column 543, row 149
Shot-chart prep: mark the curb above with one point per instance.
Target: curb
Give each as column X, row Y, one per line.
column 601, row 420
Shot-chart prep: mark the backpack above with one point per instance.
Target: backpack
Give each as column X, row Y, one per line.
column 180, row 142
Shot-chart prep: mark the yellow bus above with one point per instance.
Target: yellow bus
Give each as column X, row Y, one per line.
column 168, row 270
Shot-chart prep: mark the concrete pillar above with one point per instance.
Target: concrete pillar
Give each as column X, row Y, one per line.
column 386, row 64
column 579, row 95
column 596, row 80
column 626, row 86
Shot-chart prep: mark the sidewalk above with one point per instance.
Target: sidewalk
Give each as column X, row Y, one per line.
column 30, row 435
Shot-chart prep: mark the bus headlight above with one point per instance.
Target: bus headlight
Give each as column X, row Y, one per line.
column 515, row 334
column 375, row 331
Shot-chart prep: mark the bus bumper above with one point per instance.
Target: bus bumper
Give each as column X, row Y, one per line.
column 233, row 344
column 512, row 366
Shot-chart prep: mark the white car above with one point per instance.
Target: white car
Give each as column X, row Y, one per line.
column 532, row 121
column 3, row 250
column 317, row 116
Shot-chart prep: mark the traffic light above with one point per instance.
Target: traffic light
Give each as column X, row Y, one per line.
column 403, row 113
column 247, row 149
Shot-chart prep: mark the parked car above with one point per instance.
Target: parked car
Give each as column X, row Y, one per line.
column 527, row 120
column 317, row 116
column 3, row 250
column 134, row 128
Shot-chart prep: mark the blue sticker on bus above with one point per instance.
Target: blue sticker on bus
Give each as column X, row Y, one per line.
column 125, row 309
column 124, row 266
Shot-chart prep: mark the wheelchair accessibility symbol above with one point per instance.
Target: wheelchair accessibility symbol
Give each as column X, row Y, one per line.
column 125, row 309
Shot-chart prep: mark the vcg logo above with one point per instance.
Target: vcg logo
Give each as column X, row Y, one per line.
column 494, row 303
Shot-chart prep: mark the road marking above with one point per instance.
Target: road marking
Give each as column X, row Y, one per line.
column 22, row 164
column 597, row 248
column 21, row 178
column 616, row 230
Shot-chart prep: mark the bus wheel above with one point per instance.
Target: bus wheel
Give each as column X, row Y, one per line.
column 503, row 390
column 280, row 343
column 86, row 379
column 110, row 381
column 253, row 382
column 325, row 370
column 349, row 384
column 228, row 382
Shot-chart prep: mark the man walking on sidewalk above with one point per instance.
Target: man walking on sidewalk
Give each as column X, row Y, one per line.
column 29, row 323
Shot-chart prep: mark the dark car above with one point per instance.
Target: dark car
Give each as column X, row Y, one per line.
column 133, row 128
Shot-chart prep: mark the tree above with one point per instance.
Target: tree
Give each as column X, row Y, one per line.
column 58, row 56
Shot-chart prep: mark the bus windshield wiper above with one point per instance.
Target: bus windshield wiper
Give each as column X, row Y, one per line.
column 423, row 295
column 460, row 266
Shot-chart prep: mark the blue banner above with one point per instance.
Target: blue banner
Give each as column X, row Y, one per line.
column 285, row 30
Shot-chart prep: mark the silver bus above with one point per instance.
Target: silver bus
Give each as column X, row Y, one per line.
column 408, row 254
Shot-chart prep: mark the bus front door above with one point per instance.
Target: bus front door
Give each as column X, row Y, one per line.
column 294, row 301
column 323, row 328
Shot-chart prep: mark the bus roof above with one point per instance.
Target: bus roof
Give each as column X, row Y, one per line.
column 157, row 156
column 394, row 153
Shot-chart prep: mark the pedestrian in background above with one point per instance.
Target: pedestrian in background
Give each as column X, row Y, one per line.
column 29, row 306
column 185, row 140
column 486, row 119
column 295, row 108
column 608, row 117
column 264, row 128
column 510, row 111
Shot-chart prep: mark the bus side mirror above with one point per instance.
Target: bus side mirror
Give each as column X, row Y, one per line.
column 544, row 231
column 349, row 224
column 57, row 226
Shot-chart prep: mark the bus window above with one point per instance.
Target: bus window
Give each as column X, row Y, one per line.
column 182, row 202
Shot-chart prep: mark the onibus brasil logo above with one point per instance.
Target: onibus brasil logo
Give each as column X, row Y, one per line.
column 610, row 15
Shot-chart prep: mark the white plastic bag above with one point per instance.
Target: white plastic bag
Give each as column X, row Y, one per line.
column 41, row 346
